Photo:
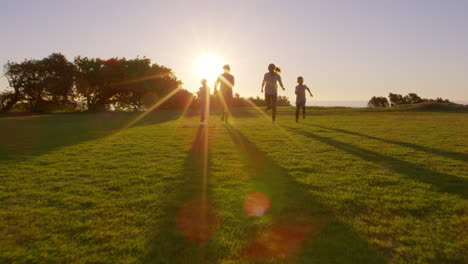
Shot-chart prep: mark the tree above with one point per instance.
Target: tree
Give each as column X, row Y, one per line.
column 26, row 78
column 181, row 99
column 239, row 101
column 59, row 76
column 283, row 101
column 413, row 98
column 379, row 101
column 396, row 99
column 98, row 81
column 257, row 101
column 148, row 83
column 136, row 91
column 280, row 101
column 40, row 83
column 6, row 99
column 135, row 84
column 20, row 77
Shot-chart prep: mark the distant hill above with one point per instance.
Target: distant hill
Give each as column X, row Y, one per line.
column 422, row 107
column 432, row 106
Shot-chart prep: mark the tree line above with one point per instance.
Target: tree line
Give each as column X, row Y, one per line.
column 398, row 99
column 238, row 101
column 93, row 84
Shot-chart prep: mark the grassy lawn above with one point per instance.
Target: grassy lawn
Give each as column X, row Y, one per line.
column 343, row 186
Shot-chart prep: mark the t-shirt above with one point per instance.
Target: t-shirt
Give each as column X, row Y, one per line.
column 300, row 94
column 227, row 82
column 203, row 93
column 271, row 83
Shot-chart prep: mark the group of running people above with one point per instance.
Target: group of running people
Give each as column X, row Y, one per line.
column 270, row 83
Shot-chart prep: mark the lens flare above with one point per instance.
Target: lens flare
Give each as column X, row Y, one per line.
column 198, row 220
column 256, row 204
column 284, row 238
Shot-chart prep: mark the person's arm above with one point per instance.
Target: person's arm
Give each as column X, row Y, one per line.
column 216, row 84
column 280, row 82
column 263, row 83
column 309, row 92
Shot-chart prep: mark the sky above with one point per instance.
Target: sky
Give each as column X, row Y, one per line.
column 345, row 50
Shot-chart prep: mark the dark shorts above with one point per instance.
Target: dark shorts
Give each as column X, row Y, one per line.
column 227, row 96
column 270, row 99
column 226, row 92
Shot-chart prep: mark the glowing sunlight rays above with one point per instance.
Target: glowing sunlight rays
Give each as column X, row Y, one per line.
column 152, row 108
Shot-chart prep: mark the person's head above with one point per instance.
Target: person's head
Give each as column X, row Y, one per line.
column 272, row 68
column 227, row 68
column 300, row 80
column 203, row 82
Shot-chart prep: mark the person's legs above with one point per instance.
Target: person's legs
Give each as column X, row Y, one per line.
column 202, row 112
column 273, row 106
column 221, row 104
column 226, row 114
column 303, row 111
column 268, row 101
column 227, row 107
column 298, row 107
column 223, row 114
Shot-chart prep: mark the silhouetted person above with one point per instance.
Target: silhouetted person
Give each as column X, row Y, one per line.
column 204, row 96
column 270, row 83
column 227, row 83
column 301, row 97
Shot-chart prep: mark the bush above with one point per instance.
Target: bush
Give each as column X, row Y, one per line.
column 398, row 99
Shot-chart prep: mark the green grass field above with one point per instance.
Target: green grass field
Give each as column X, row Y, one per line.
column 344, row 186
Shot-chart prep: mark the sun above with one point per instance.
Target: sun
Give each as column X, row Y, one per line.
column 208, row 66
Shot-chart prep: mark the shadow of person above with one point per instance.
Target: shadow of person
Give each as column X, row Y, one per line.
column 301, row 228
column 189, row 219
column 441, row 182
column 444, row 153
column 245, row 112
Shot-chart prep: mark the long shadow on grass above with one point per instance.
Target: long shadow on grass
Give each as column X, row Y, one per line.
column 189, row 219
column 447, row 154
column 23, row 137
column 301, row 229
column 244, row 112
column 439, row 181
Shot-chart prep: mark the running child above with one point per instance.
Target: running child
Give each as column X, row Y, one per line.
column 301, row 97
column 204, row 97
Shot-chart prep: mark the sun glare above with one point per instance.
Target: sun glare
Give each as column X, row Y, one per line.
column 208, row 67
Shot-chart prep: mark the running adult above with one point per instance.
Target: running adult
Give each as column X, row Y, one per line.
column 270, row 85
column 226, row 81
